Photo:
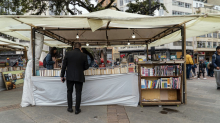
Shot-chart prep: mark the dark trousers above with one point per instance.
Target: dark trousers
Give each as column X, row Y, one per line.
column 207, row 70
column 194, row 71
column 211, row 72
column 188, row 69
column 78, row 87
column 200, row 74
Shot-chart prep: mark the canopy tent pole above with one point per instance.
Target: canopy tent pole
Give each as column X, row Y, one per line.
column 147, row 52
column 183, row 34
column 33, row 50
column 25, row 53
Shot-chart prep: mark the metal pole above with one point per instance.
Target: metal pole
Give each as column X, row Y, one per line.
column 147, row 52
column 33, row 49
column 72, row 45
column 183, row 34
column 149, row 6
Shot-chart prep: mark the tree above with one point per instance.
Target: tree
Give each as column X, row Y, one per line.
column 142, row 7
column 39, row 7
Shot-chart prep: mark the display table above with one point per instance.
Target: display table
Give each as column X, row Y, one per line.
column 120, row 89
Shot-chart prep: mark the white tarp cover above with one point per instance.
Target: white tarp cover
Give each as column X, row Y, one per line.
column 27, row 96
column 121, row 89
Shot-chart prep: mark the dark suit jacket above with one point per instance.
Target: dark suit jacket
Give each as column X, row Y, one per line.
column 75, row 62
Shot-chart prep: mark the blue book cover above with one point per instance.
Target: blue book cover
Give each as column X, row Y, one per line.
column 165, row 85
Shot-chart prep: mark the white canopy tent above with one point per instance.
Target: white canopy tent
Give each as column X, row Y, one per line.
column 109, row 27
column 6, row 44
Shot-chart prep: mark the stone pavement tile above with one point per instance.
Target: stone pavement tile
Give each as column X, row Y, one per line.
column 123, row 121
column 201, row 99
column 192, row 115
column 112, row 110
column 14, row 116
column 113, row 122
column 89, row 114
column 41, row 116
column 210, row 120
column 122, row 117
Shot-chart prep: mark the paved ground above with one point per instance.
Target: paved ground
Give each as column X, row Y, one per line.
column 203, row 107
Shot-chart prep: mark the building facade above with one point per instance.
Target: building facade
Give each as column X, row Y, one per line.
column 205, row 45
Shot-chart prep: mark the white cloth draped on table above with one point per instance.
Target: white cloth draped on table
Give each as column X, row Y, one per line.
column 120, row 89
column 27, row 96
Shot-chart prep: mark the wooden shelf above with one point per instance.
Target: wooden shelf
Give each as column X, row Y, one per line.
column 164, row 102
column 166, row 96
column 160, row 89
column 161, row 63
column 159, row 76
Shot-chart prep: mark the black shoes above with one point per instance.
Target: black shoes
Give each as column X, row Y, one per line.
column 77, row 111
column 70, row 110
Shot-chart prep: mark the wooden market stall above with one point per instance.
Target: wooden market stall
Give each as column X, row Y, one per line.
column 109, row 28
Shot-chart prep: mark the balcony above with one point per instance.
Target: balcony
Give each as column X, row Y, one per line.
column 205, row 10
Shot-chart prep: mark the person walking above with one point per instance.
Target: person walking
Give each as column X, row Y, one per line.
column 216, row 65
column 206, row 65
column 189, row 63
column 89, row 57
column 49, row 58
column 201, row 69
column 211, row 69
column 75, row 62
column 194, row 70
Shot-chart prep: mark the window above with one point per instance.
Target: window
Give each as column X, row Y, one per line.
column 178, row 13
column 121, row 2
column 122, row 9
column 197, row 5
column 214, row 44
column 161, row 12
column 180, row 4
column 174, row 2
column 218, row 43
column 214, row 35
column 219, row 35
column 201, row 44
column 209, row 44
column 188, row 43
column 202, row 36
column 200, row 5
column 177, row 43
column 187, row 5
column 209, row 35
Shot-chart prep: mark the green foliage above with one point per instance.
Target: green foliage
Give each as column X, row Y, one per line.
column 38, row 7
column 143, row 7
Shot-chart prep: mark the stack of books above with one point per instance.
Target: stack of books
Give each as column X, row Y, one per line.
column 147, row 71
column 52, row 73
column 162, row 83
column 105, row 71
column 162, row 70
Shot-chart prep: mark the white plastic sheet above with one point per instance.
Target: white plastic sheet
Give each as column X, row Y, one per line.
column 27, row 96
column 120, row 89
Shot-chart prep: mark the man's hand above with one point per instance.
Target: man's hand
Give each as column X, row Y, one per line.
column 218, row 68
column 63, row 79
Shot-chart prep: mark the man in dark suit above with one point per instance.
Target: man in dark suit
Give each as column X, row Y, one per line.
column 75, row 62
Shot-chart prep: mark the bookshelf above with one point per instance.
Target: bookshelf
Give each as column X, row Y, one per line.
column 158, row 95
